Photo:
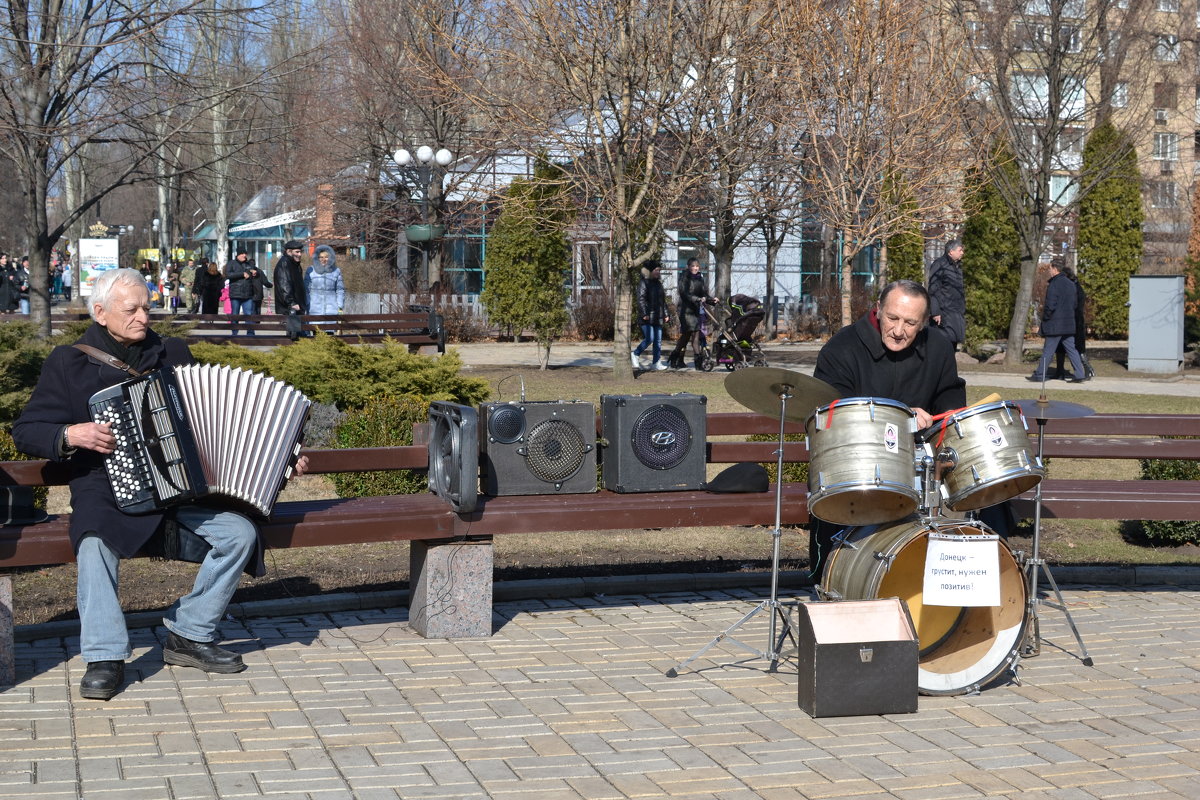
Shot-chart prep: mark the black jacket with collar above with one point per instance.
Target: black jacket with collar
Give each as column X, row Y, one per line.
column 856, row 364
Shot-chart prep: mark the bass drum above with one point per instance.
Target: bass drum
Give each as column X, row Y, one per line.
column 962, row 649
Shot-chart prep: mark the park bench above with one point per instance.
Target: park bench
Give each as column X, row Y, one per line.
column 417, row 329
column 440, row 536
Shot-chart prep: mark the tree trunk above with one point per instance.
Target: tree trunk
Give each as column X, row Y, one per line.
column 1016, row 327
column 622, row 300
column 770, row 327
column 847, row 281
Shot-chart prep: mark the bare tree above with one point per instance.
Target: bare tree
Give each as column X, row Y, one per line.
column 1045, row 72
column 878, row 90
column 72, row 79
column 612, row 87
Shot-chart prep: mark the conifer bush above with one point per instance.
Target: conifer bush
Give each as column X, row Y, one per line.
column 1170, row 533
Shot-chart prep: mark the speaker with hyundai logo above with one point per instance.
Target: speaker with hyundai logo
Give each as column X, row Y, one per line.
column 653, row 442
column 454, row 454
column 537, row 448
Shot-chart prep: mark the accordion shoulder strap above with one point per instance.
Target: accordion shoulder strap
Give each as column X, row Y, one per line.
column 109, row 359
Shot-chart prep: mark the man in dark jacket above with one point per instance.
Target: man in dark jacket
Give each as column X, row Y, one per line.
column 290, row 295
column 241, row 274
column 56, row 424
column 1058, row 325
column 890, row 352
column 947, row 297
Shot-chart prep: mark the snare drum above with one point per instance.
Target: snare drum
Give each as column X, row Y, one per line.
column 862, row 469
column 962, row 649
column 988, row 446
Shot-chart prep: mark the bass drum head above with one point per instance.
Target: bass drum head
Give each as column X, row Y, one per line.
column 962, row 649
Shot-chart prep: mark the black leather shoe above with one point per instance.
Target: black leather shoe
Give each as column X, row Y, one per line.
column 102, row 680
column 202, row 655
column 1073, row 379
column 1034, row 379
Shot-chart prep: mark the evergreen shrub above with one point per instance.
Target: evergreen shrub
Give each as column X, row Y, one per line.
column 992, row 258
column 792, row 472
column 1170, row 533
column 384, row 421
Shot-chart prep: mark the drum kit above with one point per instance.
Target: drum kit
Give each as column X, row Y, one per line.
column 889, row 488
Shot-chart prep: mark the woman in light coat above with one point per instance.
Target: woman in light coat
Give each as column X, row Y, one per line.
column 323, row 281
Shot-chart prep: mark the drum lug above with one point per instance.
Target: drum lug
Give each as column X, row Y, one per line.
column 827, row 594
column 885, row 558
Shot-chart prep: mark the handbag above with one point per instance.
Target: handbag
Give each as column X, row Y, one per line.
column 294, row 328
column 17, row 506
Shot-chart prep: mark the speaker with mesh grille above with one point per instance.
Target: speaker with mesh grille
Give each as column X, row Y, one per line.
column 653, row 442
column 454, row 454
column 537, row 448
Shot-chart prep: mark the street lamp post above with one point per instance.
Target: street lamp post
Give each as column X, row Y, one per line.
column 421, row 163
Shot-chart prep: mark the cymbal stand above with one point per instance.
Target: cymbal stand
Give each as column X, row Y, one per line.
column 772, row 605
column 1032, row 646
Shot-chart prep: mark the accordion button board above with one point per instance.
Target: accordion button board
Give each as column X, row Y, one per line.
column 201, row 431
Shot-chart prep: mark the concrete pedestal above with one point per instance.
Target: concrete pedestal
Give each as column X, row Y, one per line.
column 451, row 588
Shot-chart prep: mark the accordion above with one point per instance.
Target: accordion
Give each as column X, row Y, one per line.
column 200, row 431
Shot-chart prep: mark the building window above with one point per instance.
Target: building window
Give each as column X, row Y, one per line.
column 1166, row 147
column 1163, row 194
column 1070, row 39
column 977, row 34
column 1037, row 8
column 1120, row 95
column 1166, row 47
column 1062, row 190
column 1170, row 6
column 1030, row 36
column 1074, row 9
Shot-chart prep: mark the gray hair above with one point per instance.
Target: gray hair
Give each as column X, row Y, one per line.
column 953, row 244
column 108, row 280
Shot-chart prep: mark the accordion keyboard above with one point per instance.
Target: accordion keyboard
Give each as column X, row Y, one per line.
column 149, row 469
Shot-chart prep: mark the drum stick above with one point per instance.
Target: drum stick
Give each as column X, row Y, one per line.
column 991, row 398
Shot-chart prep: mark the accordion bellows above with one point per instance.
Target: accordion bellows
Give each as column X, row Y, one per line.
column 200, row 431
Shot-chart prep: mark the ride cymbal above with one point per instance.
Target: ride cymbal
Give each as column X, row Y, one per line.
column 1053, row 409
column 760, row 389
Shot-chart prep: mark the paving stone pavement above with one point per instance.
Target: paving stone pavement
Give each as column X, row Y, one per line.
column 569, row 699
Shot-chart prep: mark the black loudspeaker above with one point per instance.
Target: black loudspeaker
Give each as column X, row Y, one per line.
column 538, row 448
column 653, row 442
column 454, row 455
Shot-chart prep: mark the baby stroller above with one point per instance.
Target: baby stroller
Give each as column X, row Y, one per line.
column 733, row 341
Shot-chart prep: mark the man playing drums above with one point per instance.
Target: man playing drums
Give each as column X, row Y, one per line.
column 889, row 353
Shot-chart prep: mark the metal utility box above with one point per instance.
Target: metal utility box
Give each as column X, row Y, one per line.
column 1156, row 323
column 856, row 657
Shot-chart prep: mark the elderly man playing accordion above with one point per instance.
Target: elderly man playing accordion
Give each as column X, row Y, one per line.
column 57, row 424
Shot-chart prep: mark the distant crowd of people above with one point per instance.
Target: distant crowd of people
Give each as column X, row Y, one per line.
column 15, row 284
column 201, row 286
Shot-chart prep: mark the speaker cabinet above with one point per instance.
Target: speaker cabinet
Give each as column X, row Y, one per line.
column 653, row 442
column 538, row 448
column 454, row 454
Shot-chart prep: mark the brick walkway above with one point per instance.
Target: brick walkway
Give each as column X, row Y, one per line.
column 569, row 700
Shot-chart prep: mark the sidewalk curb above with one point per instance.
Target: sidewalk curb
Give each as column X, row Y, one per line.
column 607, row 586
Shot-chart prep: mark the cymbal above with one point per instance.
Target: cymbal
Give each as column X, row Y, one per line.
column 1053, row 409
column 759, row 389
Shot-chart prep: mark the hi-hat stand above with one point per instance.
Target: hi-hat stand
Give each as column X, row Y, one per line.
column 750, row 387
column 1042, row 410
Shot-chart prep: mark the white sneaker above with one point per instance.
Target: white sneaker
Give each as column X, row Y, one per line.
column 659, row 366
column 636, row 359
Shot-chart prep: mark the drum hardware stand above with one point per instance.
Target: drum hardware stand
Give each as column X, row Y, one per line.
column 1032, row 646
column 771, row 605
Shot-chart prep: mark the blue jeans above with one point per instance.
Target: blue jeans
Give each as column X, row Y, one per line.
column 103, row 635
column 651, row 337
column 1051, row 344
column 244, row 307
column 24, row 305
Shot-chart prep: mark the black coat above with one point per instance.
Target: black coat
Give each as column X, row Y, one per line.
column 692, row 294
column 289, row 285
column 856, row 364
column 947, row 297
column 1058, row 309
column 240, row 287
column 208, row 288
column 652, row 300
column 69, row 378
